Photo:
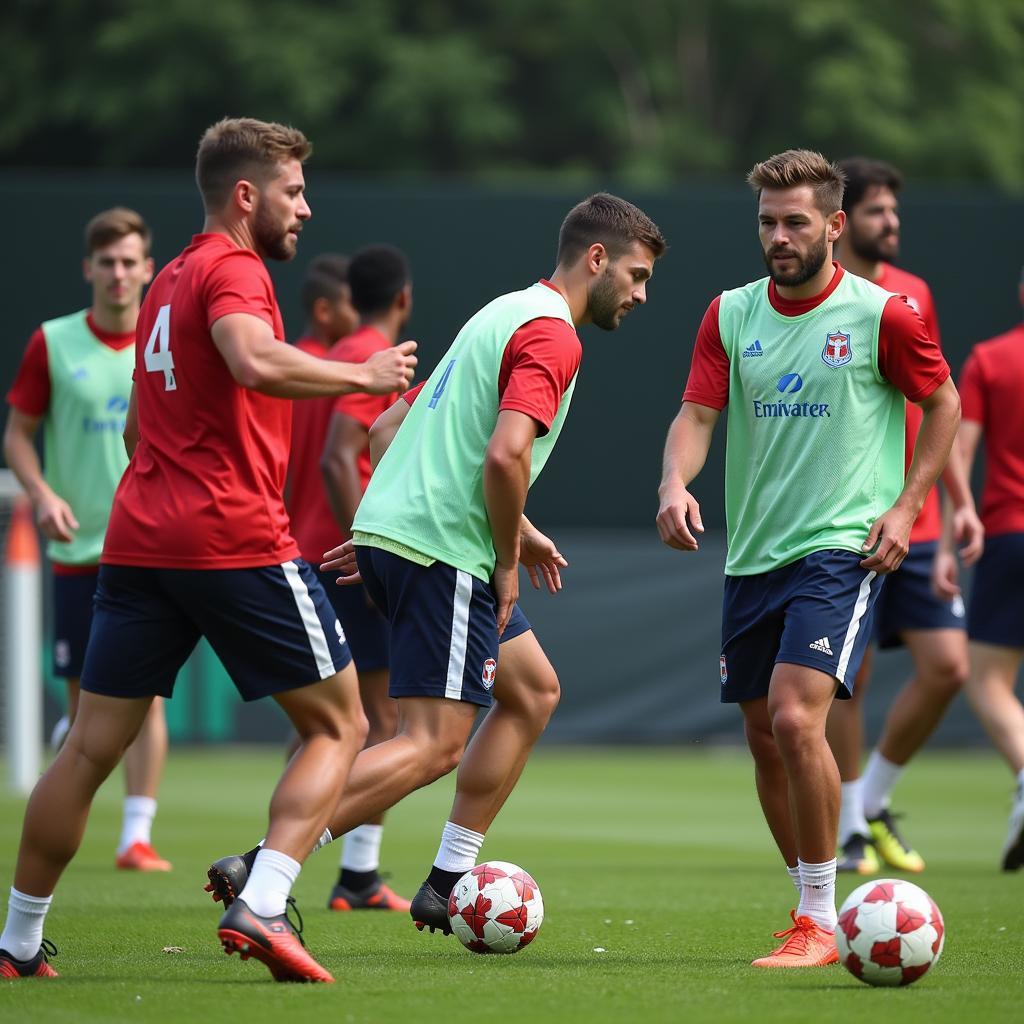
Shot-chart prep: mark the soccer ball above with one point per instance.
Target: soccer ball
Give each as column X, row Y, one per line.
column 495, row 908
column 890, row 932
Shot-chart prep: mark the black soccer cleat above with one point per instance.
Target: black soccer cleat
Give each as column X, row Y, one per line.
column 37, row 966
column 1013, row 848
column 429, row 909
column 227, row 876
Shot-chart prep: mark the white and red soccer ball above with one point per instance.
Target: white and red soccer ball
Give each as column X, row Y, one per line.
column 890, row 932
column 495, row 908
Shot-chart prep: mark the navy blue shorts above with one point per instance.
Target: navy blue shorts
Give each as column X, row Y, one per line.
column 444, row 633
column 907, row 601
column 812, row 612
column 72, row 619
column 272, row 628
column 996, row 612
column 366, row 629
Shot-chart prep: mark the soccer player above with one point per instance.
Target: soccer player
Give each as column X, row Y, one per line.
column 814, row 364
column 74, row 380
column 381, row 293
column 198, row 544
column 908, row 610
column 440, row 534
column 991, row 384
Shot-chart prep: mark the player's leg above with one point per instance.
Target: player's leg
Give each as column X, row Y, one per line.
column 143, row 768
column 845, row 733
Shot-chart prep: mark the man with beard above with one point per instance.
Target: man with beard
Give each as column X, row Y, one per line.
column 199, row 545
column 814, row 364
column 909, row 611
column 440, row 534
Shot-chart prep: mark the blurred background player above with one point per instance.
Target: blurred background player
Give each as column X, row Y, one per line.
column 992, row 383
column 75, row 379
column 908, row 610
column 802, row 573
column 198, row 544
column 380, row 287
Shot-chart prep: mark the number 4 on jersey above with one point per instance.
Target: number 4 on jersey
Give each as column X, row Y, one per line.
column 158, row 349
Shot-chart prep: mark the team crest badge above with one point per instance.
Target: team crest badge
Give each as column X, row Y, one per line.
column 837, row 350
column 723, row 671
column 487, row 676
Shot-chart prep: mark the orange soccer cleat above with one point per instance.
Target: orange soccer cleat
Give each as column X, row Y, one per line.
column 141, row 857
column 274, row 941
column 377, row 896
column 35, row 967
column 807, row 945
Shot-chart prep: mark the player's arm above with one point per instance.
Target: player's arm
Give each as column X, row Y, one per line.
column 506, row 481
column 686, row 450
column 131, row 425
column 53, row 513
column 541, row 556
column 339, row 466
column 258, row 361
column 386, row 425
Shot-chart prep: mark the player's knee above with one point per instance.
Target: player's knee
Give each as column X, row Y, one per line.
column 948, row 677
column 792, row 728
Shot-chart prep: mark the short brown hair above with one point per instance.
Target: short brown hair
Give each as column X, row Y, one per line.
column 112, row 225
column 861, row 174
column 613, row 222
column 242, row 147
column 798, row 167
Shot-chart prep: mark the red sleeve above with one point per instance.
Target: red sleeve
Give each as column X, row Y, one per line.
column 972, row 390
column 30, row 392
column 908, row 357
column 708, row 383
column 538, row 366
column 410, row 395
column 237, row 282
column 931, row 319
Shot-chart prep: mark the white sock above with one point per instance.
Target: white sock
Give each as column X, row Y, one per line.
column 325, row 838
column 794, row 876
column 459, row 848
column 360, row 848
column 818, row 893
column 880, row 776
column 851, row 812
column 23, row 934
column 137, row 825
column 1020, row 782
column 270, row 881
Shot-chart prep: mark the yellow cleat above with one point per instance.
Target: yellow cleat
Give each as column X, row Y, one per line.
column 891, row 846
column 806, row 944
column 857, row 855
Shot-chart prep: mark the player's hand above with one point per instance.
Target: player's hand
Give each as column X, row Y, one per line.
column 888, row 541
column 541, row 558
column 391, row 369
column 55, row 518
column 505, row 583
column 343, row 559
column 945, row 575
column 969, row 533
column 679, row 518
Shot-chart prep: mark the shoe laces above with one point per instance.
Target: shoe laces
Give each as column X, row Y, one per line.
column 292, row 906
column 49, row 949
column 797, row 936
column 888, row 819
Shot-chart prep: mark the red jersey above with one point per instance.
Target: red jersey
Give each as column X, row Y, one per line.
column 311, row 521
column 928, row 525
column 990, row 394
column 204, row 487
column 908, row 357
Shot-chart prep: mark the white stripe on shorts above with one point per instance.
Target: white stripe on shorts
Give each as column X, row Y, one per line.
column 310, row 619
column 460, row 635
column 854, row 628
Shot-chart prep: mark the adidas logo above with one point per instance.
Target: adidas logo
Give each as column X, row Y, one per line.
column 753, row 350
column 822, row 645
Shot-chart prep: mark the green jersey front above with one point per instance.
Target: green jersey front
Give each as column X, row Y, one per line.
column 426, row 497
column 83, row 447
column 815, row 440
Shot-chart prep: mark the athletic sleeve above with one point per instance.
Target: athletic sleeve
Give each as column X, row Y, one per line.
column 930, row 318
column 972, row 390
column 708, row 383
column 30, row 392
column 908, row 357
column 237, row 282
column 360, row 406
column 538, row 365
column 410, row 395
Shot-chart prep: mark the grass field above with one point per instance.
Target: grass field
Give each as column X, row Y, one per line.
column 658, row 858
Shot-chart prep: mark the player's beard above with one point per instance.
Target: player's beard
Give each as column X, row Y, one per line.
column 604, row 303
column 272, row 241
column 877, row 249
column 807, row 266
